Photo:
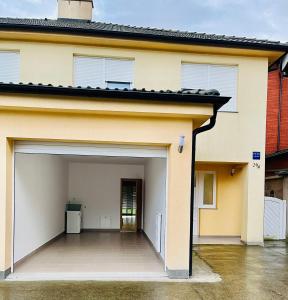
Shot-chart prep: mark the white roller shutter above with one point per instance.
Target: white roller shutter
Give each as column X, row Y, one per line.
column 207, row 76
column 195, row 76
column 97, row 71
column 118, row 70
column 9, row 66
column 89, row 71
column 89, row 149
column 224, row 79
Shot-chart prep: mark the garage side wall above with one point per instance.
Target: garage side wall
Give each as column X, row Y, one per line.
column 155, row 201
column 40, row 197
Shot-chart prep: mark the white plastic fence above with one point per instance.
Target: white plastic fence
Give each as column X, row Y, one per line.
column 275, row 218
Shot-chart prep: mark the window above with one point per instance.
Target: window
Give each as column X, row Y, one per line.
column 9, row 66
column 206, row 76
column 118, row 85
column 207, row 189
column 103, row 72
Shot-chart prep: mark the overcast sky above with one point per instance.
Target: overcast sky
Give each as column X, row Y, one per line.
column 253, row 18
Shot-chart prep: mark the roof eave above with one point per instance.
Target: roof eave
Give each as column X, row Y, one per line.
column 277, row 154
column 132, row 95
column 144, row 36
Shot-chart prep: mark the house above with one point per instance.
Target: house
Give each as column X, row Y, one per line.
column 93, row 114
column 276, row 135
column 276, row 182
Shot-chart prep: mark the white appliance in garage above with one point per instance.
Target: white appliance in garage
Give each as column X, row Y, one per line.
column 74, row 221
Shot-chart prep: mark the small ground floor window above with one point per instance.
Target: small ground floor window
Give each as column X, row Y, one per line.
column 206, row 189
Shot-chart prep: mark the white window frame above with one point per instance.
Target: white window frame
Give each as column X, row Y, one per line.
column 200, row 175
column 105, row 80
column 118, row 82
column 208, row 84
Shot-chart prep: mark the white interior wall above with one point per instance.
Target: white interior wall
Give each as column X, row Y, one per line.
column 97, row 187
column 41, row 187
column 155, row 200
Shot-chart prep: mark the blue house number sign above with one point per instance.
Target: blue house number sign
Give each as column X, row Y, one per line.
column 256, row 155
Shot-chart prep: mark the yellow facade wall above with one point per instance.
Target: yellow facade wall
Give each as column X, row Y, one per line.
column 242, row 131
column 226, row 219
column 53, row 63
column 94, row 128
column 234, row 138
column 106, row 106
column 6, row 202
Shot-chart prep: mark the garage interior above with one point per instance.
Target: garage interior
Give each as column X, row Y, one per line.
column 118, row 234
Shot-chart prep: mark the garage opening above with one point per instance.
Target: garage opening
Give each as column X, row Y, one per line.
column 77, row 212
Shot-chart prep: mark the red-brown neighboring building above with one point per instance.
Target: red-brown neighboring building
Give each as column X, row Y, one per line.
column 277, row 120
column 277, row 132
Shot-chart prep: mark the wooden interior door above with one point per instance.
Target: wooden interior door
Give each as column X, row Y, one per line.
column 131, row 205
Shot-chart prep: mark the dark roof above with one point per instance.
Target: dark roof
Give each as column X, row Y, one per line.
column 277, row 154
column 68, row 26
column 186, row 96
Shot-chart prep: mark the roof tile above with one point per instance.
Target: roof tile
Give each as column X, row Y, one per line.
column 186, row 96
column 211, row 92
column 98, row 28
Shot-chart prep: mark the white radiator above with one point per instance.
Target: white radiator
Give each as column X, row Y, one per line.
column 158, row 232
column 105, row 222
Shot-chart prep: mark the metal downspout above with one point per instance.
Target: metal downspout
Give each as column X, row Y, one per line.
column 194, row 135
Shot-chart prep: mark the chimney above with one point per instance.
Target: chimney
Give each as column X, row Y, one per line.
column 75, row 9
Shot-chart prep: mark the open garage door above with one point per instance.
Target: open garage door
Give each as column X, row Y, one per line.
column 49, row 177
column 90, row 149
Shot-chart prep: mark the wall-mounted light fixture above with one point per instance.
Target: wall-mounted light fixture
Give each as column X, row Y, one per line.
column 233, row 171
column 181, row 143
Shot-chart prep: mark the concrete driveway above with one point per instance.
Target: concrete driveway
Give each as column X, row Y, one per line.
column 247, row 273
